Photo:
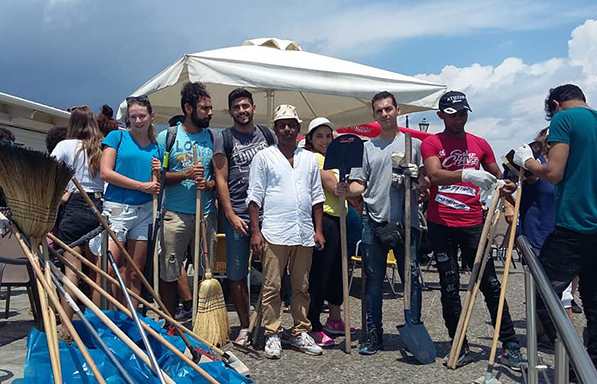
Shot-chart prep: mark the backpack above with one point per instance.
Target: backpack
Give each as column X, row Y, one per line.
column 228, row 140
column 171, row 139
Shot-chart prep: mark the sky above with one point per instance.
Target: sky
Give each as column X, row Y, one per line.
column 505, row 55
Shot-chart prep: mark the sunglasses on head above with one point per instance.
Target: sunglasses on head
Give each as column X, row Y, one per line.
column 139, row 99
column 77, row 107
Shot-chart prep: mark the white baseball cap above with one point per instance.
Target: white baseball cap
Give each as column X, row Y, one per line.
column 318, row 122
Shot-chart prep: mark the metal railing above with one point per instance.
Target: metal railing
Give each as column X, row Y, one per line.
column 567, row 334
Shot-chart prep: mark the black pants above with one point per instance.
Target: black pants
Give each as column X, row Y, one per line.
column 446, row 241
column 325, row 278
column 565, row 255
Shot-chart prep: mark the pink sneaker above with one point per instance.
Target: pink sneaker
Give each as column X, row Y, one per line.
column 336, row 327
column 321, row 339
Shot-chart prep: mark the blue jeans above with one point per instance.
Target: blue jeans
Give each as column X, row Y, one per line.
column 375, row 265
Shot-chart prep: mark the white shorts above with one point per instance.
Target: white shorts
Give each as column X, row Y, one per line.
column 129, row 222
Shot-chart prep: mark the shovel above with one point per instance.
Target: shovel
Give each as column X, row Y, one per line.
column 343, row 153
column 414, row 336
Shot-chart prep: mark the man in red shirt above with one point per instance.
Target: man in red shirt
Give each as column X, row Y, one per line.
column 459, row 165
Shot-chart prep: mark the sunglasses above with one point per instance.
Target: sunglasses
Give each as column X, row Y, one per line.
column 77, row 107
column 11, row 143
column 138, row 99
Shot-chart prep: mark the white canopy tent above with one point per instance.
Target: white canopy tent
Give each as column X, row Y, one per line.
column 279, row 72
column 30, row 121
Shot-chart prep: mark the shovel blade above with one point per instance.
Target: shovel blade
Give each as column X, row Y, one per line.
column 344, row 152
column 417, row 340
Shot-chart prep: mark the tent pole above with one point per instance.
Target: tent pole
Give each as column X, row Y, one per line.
column 269, row 95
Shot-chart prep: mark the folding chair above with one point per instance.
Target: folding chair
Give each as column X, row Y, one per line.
column 391, row 263
column 15, row 271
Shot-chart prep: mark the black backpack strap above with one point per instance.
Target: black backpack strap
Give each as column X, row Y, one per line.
column 171, row 137
column 211, row 135
column 228, row 141
column 170, row 140
column 267, row 133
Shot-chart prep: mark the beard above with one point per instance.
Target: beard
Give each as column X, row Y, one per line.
column 243, row 123
column 199, row 122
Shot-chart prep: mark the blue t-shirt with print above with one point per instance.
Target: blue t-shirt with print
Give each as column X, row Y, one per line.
column 576, row 193
column 181, row 197
column 132, row 161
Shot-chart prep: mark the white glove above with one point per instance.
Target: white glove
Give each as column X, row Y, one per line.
column 479, row 177
column 522, row 154
column 410, row 169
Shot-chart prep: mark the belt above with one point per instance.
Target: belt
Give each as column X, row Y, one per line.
column 93, row 195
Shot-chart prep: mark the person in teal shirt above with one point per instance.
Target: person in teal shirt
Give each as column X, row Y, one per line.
column 569, row 251
column 183, row 179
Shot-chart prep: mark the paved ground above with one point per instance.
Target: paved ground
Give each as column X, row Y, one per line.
column 390, row 365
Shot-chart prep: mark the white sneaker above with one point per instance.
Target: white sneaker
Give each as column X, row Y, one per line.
column 273, row 347
column 305, row 343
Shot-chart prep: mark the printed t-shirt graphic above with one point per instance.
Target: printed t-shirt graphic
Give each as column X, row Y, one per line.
column 456, row 205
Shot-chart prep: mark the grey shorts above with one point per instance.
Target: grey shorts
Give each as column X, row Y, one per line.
column 178, row 234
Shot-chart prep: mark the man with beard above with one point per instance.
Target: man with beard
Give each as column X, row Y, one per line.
column 233, row 152
column 183, row 179
column 285, row 182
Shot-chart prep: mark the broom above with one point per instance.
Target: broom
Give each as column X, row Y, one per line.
column 211, row 321
column 33, row 183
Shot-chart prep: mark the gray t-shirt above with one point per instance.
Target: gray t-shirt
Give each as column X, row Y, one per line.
column 384, row 201
column 239, row 163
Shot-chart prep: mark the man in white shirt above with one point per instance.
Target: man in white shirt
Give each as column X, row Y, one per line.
column 284, row 179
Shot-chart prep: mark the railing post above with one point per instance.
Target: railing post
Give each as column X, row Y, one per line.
column 561, row 361
column 532, row 374
column 567, row 334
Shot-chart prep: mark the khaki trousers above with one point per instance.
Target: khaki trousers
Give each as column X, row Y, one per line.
column 275, row 259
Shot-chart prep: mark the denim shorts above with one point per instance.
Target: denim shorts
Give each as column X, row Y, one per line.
column 129, row 222
column 77, row 217
column 237, row 253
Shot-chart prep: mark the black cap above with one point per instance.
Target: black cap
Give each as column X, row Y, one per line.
column 452, row 102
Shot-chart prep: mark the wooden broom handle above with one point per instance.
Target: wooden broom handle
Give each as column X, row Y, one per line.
column 127, row 312
column 128, row 257
column 54, row 300
column 498, row 320
column 475, row 280
column 149, row 305
column 461, row 328
column 196, row 244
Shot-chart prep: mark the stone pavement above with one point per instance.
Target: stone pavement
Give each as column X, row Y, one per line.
column 390, row 365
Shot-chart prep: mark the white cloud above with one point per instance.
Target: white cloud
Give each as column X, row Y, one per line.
column 369, row 27
column 507, row 100
column 64, row 12
column 582, row 49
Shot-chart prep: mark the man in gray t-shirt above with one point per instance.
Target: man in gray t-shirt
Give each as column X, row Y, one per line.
column 384, row 194
column 234, row 150
column 382, row 184
column 244, row 147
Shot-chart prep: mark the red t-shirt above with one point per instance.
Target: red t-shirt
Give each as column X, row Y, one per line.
column 456, row 205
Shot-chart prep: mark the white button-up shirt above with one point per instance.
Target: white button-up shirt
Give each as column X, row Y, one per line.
column 287, row 195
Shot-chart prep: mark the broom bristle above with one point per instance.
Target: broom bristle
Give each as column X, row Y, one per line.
column 33, row 183
column 211, row 322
